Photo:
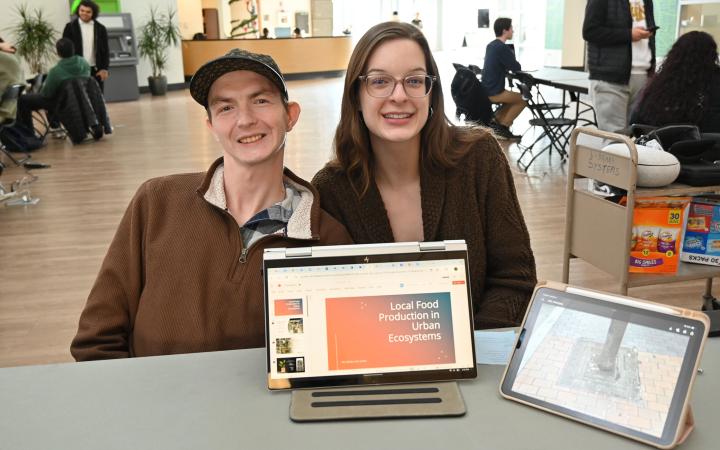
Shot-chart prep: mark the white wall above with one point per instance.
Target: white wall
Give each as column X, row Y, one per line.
column 140, row 11
column 190, row 17
column 269, row 9
column 573, row 45
column 361, row 16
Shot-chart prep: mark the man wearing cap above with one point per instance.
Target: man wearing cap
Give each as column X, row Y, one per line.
column 183, row 273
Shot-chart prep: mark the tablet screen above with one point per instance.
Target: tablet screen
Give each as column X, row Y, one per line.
column 612, row 365
column 395, row 318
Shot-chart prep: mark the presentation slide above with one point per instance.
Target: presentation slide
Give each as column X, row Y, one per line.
column 389, row 330
column 289, row 307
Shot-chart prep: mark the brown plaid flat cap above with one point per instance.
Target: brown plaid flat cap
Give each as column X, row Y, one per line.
column 235, row 59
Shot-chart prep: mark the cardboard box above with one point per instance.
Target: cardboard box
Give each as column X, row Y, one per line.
column 658, row 224
column 701, row 243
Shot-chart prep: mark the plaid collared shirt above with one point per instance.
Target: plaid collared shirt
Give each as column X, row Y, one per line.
column 272, row 220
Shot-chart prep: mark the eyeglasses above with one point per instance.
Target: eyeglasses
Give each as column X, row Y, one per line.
column 379, row 86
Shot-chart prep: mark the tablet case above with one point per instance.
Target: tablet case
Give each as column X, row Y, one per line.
column 685, row 427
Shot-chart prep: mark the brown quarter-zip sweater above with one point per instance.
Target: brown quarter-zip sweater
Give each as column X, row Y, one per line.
column 176, row 279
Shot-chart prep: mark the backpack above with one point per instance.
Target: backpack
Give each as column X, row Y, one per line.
column 471, row 97
column 19, row 138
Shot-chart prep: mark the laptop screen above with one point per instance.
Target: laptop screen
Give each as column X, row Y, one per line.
column 377, row 318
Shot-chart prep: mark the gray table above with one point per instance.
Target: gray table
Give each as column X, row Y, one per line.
column 567, row 80
column 218, row 401
column 555, row 74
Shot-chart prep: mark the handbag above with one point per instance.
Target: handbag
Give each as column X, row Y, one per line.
column 699, row 158
column 19, row 138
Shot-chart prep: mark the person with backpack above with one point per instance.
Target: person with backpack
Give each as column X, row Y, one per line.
column 70, row 66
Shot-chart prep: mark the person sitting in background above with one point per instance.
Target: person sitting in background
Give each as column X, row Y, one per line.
column 70, row 66
column 499, row 60
column 10, row 73
column 686, row 88
column 402, row 172
column 265, row 34
column 297, row 33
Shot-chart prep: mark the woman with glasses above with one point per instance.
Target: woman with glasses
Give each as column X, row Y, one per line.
column 402, row 172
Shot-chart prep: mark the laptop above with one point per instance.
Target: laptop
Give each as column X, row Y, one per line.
column 375, row 314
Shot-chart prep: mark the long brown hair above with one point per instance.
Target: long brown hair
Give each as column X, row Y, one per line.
column 442, row 144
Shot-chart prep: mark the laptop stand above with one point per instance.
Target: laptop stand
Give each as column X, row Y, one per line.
column 376, row 402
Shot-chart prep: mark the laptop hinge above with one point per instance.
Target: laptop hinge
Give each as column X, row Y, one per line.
column 431, row 246
column 298, row 252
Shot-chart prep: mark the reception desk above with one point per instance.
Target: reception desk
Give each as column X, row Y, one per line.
column 294, row 56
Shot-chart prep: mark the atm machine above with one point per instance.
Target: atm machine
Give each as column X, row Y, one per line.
column 122, row 84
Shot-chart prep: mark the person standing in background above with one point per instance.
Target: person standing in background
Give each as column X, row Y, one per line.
column 90, row 40
column 621, row 54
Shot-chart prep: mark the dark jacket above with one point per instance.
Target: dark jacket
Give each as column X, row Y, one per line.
column 608, row 31
column 499, row 59
column 711, row 118
column 81, row 108
column 102, row 51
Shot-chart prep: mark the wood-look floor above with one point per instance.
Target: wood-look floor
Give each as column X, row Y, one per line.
column 50, row 253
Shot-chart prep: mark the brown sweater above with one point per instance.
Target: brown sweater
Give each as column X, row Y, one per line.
column 475, row 201
column 173, row 280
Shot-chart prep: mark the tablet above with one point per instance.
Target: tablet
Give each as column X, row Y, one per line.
column 620, row 364
column 368, row 314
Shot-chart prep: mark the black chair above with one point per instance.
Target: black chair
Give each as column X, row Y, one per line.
column 554, row 126
column 470, row 97
column 540, row 102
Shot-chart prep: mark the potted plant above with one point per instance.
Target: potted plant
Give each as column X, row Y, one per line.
column 157, row 35
column 34, row 38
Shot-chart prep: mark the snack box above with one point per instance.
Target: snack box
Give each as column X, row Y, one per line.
column 657, row 231
column 701, row 243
